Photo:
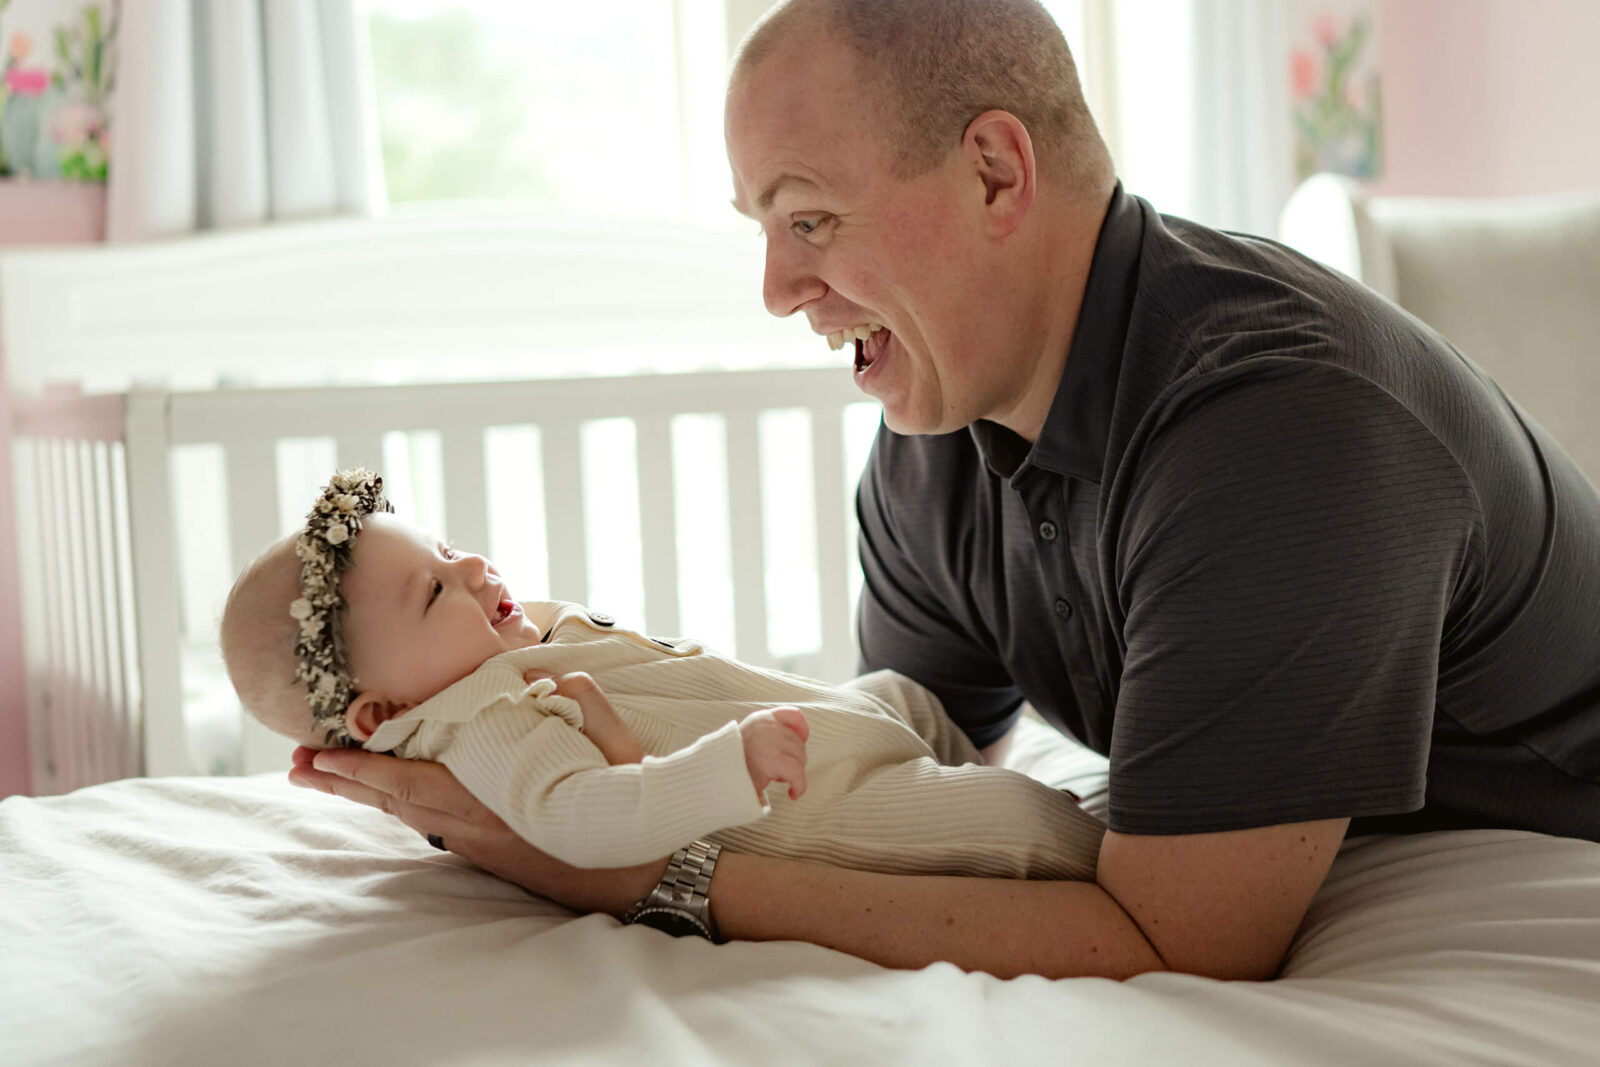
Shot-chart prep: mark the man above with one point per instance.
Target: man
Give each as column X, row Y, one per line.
column 1263, row 539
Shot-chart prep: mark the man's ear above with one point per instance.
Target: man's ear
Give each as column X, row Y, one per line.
column 369, row 710
column 998, row 147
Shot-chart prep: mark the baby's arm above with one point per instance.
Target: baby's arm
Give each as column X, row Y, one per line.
column 601, row 723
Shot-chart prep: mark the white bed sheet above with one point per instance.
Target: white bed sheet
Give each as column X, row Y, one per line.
column 242, row 921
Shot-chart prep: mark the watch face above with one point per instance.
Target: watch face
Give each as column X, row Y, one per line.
column 676, row 923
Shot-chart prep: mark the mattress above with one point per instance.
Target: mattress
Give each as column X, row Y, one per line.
column 243, row 921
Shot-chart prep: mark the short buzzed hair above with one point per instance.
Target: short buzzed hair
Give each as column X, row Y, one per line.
column 258, row 638
column 932, row 66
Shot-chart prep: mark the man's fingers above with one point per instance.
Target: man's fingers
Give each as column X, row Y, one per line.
column 417, row 783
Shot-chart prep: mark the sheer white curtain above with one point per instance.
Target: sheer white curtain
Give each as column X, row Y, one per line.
column 237, row 112
column 1202, row 105
column 1242, row 150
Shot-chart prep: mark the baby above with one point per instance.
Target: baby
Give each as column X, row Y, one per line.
column 364, row 631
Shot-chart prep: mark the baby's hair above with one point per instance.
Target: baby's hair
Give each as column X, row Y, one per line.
column 257, row 638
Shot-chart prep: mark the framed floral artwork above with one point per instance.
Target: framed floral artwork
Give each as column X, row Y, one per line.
column 1335, row 87
column 57, row 71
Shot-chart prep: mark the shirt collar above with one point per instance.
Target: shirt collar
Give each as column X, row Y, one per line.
column 1073, row 440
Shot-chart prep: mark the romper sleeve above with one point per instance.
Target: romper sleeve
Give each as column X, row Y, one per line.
column 554, row 788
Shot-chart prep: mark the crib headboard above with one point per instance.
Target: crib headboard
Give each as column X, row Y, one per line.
column 688, row 500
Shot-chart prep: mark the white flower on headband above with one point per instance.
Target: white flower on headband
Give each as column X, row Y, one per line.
column 337, row 535
column 301, row 609
column 346, row 503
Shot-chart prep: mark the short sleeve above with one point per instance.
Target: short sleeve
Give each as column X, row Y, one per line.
column 909, row 618
column 1291, row 545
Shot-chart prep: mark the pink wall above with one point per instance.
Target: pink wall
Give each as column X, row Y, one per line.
column 31, row 213
column 1489, row 97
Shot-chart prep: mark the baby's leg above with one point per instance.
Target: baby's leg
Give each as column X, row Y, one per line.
column 601, row 723
column 920, row 709
column 918, row 817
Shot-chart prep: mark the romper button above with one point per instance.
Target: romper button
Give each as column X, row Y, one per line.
column 1063, row 610
column 601, row 618
column 1047, row 530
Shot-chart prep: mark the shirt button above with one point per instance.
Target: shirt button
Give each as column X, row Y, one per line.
column 601, row 618
column 1047, row 530
column 1063, row 609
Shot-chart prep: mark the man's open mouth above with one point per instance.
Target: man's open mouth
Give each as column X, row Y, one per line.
column 871, row 347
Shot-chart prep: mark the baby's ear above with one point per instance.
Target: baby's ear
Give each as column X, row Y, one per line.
column 367, row 711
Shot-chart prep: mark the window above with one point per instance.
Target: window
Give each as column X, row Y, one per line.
column 610, row 108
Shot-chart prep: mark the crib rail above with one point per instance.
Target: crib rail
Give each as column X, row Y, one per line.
column 106, row 676
column 72, row 513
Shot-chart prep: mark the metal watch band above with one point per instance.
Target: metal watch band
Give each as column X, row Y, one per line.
column 685, row 886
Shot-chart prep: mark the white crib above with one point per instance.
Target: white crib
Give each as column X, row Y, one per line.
column 136, row 505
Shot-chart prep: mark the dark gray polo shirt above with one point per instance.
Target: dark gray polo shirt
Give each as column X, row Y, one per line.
column 1280, row 552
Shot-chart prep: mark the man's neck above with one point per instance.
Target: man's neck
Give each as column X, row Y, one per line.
column 1065, row 251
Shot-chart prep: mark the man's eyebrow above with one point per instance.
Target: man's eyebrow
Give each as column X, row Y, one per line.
column 770, row 193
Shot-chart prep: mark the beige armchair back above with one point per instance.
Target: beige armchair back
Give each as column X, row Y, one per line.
column 1513, row 283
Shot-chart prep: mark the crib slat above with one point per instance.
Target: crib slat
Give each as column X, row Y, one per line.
column 96, row 674
column 127, row 619
column 565, row 538
column 116, row 736
column 49, row 664
column 747, row 539
column 155, row 583
column 71, row 714
column 83, row 677
column 251, row 477
column 658, row 515
column 837, row 660
column 466, row 497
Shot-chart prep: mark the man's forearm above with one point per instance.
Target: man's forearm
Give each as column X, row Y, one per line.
column 1001, row 926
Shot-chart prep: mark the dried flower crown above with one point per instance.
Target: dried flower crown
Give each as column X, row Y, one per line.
column 324, row 551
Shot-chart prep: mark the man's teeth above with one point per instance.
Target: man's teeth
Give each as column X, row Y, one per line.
column 839, row 338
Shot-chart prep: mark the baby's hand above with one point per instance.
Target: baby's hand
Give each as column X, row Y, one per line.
column 775, row 748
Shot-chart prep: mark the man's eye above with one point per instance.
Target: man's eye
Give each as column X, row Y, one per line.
column 807, row 226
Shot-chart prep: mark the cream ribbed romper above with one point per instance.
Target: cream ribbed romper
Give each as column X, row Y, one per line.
column 892, row 784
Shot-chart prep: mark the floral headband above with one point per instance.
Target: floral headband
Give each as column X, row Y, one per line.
column 324, row 550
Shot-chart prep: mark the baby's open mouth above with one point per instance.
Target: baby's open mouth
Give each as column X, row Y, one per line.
column 508, row 609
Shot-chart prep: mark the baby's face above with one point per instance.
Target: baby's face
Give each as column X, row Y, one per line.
column 421, row 615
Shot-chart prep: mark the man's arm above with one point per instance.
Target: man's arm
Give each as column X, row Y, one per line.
column 1224, row 905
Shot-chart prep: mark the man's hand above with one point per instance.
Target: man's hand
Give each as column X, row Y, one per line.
column 426, row 797
column 775, row 748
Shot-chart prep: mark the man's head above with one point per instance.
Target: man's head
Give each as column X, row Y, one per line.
column 927, row 166
column 420, row 615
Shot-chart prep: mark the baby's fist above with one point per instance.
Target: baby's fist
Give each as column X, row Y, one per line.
column 775, row 748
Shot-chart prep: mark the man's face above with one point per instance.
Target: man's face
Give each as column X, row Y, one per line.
column 422, row 615
column 851, row 245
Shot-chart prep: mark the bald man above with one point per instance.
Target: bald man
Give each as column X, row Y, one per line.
column 1296, row 566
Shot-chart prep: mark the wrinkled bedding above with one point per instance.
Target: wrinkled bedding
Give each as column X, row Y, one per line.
column 242, row 921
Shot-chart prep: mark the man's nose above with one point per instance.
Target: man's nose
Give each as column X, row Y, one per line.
column 788, row 284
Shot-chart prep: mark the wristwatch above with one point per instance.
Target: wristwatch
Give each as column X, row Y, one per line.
column 681, row 903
